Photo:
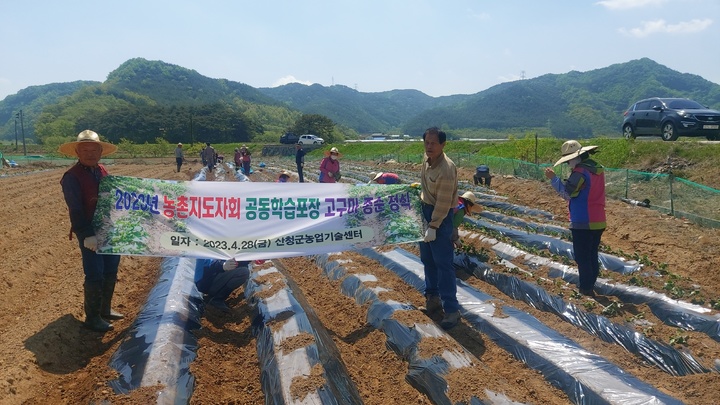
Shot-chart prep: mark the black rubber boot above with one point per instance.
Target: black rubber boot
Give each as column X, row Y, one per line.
column 93, row 301
column 108, row 289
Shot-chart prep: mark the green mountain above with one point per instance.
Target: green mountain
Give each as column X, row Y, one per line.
column 364, row 112
column 575, row 104
column 143, row 100
column 570, row 105
column 31, row 101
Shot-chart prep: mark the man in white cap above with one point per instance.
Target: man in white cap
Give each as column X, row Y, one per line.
column 80, row 186
column 179, row 156
column 585, row 192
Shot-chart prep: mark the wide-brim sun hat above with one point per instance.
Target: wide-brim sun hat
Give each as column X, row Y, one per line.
column 333, row 150
column 572, row 149
column 475, row 207
column 375, row 176
column 83, row 137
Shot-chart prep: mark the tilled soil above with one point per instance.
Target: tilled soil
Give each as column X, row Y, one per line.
column 47, row 357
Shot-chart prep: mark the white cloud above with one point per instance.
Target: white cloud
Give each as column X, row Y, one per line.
column 480, row 16
column 289, row 79
column 628, row 4
column 661, row 26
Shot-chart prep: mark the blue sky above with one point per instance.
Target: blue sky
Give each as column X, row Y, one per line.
column 439, row 47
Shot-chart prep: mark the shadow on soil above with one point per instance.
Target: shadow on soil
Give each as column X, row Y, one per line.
column 65, row 346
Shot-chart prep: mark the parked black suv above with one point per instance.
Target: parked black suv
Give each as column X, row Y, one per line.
column 289, row 138
column 670, row 118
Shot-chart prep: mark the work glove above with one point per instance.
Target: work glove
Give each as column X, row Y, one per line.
column 415, row 185
column 230, row 264
column 429, row 235
column 90, row 243
column 331, row 174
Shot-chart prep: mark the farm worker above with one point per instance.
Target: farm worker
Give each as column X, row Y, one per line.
column 217, row 279
column 300, row 161
column 482, row 176
column 284, row 177
column 330, row 166
column 179, row 156
column 80, row 186
column 237, row 158
column 245, row 157
column 209, row 156
column 467, row 204
column 585, row 192
column 384, row 178
column 438, row 195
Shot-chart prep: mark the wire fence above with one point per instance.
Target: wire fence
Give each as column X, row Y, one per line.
column 663, row 192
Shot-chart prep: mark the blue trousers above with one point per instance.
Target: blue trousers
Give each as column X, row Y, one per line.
column 437, row 259
column 228, row 281
column 98, row 268
column 586, row 244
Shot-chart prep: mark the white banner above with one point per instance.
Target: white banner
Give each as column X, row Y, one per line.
column 251, row 220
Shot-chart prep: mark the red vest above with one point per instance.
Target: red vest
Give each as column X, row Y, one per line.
column 89, row 186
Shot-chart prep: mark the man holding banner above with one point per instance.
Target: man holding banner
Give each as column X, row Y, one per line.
column 438, row 196
column 80, row 186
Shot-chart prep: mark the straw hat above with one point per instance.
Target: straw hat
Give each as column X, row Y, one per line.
column 87, row 136
column 475, row 207
column 179, row 144
column 572, row 149
column 333, row 150
column 284, row 173
column 375, row 176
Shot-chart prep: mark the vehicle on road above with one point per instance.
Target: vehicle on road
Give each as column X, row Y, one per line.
column 670, row 118
column 310, row 139
column 289, row 138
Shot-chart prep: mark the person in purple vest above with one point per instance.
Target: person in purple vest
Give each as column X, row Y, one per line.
column 80, row 186
column 585, row 192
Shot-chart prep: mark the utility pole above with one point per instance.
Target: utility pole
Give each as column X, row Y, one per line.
column 16, row 141
column 22, row 127
column 192, row 140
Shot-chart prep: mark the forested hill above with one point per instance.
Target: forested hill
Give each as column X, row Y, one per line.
column 363, row 112
column 575, row 104
column 142, row 100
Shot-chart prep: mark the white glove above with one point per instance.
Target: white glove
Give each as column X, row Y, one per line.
column 230, row 264
column 429, row 235
column 331, row 174
column 90, row 243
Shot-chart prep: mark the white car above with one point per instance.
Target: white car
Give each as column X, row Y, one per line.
column 310, row 139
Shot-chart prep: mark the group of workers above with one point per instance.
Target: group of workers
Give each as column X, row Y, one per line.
column 442, row 212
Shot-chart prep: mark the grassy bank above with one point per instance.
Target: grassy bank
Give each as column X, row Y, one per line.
column 689, row 158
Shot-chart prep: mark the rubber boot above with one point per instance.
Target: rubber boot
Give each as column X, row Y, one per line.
column 108, row 289
column 433, row 304
column 93, row 301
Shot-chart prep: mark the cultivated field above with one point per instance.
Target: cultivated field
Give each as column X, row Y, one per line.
column 47, row 357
